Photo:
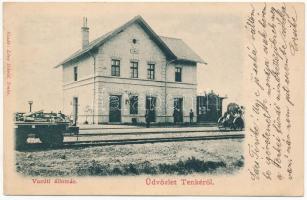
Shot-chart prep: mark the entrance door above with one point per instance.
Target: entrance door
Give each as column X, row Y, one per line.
column 115, row 108
column 151, row 107
column 75, row 110
column 178, row 111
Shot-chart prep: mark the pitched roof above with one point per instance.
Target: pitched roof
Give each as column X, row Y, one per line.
column 173, row 48
column 181, row 49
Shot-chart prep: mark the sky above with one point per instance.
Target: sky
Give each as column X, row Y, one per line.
column 44, row 35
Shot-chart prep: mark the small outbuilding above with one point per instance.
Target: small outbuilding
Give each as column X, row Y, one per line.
column 209, row 107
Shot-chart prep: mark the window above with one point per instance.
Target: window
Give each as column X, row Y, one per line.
column 115, row 68
column 134, row 105
column 75, row 73
column 151, row 71
column 178, row 74
column 134, row 71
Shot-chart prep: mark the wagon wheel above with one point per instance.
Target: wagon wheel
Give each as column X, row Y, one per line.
column 220, row 123
column 233, row 127
column 238, row 123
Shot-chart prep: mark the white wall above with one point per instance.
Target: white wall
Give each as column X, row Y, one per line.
column 189, row 71
column 119, row 47
column 85, row 70
column 84, row 91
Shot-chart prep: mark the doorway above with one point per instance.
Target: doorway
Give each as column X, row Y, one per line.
column 151, row 107
column 115, row 108
column 178, row 110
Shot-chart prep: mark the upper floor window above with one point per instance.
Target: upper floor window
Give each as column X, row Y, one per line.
column 178, row 74
column 115, row 67
column 134, row 69
column 75, row 73
column 151, row 71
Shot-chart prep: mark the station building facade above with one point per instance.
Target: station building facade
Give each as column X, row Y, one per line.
column 127, row 72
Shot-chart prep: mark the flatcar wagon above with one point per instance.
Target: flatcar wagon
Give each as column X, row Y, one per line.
column 48, row 127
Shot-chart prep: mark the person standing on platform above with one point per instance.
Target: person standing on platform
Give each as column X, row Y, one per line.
column 191, row 116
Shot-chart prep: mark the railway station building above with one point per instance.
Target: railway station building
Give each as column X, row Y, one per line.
column 128, row 72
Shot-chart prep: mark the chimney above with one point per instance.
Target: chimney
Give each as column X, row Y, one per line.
column 85, row 33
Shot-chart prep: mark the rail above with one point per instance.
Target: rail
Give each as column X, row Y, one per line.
column 107, row 142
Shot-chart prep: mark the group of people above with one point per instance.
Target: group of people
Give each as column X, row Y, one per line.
column 177, row 115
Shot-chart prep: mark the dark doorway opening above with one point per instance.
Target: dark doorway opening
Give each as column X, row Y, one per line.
column 178, row 110
column 151, row 107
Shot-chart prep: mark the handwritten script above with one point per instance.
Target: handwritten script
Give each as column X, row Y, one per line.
column 272, row 47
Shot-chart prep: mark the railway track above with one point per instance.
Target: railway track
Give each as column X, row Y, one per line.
column 152, row 132
column 106, row 142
